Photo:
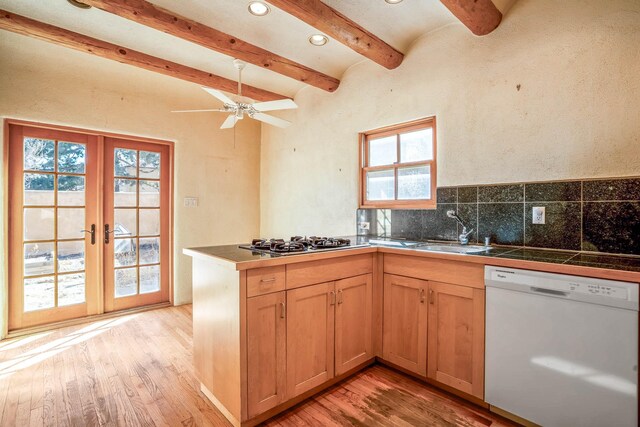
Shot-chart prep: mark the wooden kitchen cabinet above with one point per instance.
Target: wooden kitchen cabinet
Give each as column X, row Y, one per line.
column 404, row 338
column 310, row 337
column 266, row 352
column 353, row 322
column 456, row 337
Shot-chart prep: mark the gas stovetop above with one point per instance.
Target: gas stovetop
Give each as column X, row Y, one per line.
column 299, row 244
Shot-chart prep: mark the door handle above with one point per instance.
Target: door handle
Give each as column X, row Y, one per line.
column 106, row 233
column 91, row 231
column 340, row 297
column 332, row 298
column 283, row 310
column 432, row 300
column 421, row 295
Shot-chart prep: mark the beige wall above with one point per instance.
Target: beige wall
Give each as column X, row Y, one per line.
column 576, row 115
column 47, row 83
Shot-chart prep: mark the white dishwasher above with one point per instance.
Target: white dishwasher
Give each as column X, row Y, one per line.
column 562, row 350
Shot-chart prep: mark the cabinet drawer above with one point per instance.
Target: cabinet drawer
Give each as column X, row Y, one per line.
column 265, row 280
column 440, row 270
column 327, row 270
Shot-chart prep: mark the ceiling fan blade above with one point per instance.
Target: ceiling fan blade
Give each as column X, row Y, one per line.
column 275, row 121
column 280, row 104
column 229, row 122
column 197, row 111
column 221, row 96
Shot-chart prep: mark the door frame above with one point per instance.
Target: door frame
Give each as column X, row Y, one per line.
column 7, row 123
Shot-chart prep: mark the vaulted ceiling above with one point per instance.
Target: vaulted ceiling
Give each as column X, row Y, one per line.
column 284, row 35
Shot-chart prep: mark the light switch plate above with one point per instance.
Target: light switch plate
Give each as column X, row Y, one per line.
column 190, row 202
column 538, row 215
column 363, row 225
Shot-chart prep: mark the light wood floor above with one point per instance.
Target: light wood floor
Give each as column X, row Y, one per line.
column 136, row 370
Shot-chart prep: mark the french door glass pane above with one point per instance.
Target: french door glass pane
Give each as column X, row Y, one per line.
column 414, row 183
column 71, row 157
column 70, row 223
column 38, row 189
column 71, row 256
column 70, row 190
column 125, row 222
column 71, row 289
column 149, row 165
column 39, row 154
column 416, row 146
column 124, row 252
column 39, row 293
column 150, row 194
column 383, row 151
column 126, row 282
column 149, row 222
column 125, row 162
column 149, row 279
column 380, row 185
column 38, row 224
column 125, row 192
column 38, row 259
column 150, row 250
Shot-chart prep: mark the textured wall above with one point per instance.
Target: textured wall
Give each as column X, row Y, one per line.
column 553, row 93
column 47, row 83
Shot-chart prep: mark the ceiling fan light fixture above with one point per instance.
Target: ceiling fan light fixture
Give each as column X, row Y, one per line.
column 393, row 1
column 258, row 8
column 79, row 4
column 318, row 39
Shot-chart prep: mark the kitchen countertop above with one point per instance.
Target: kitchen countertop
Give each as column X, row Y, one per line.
column 508, row 256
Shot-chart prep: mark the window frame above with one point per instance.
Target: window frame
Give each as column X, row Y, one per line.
column 398, row 129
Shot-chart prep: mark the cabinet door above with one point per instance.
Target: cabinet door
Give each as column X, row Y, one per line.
column 456, row 337
column 354, row 298
column 266, row 352
column 310, row 337
column 404, row 335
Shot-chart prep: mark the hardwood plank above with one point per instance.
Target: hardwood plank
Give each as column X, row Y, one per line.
column 49, row 33
column 153, row 16
column 333, row 23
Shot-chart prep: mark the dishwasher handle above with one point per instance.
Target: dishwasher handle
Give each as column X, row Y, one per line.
column 549, row 291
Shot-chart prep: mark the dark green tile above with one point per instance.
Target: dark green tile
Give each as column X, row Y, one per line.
column 406, row 224
column 447, row 195
column 612, row 189
column 502, row 222
column 467, row 194
column 606, row 261
column 501, row 193
column 562, row 227
column 612, row 227
column 553, row 191
column 436, row 225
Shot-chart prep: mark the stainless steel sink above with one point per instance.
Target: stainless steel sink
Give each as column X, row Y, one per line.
column 395, row 243
column 452, row 248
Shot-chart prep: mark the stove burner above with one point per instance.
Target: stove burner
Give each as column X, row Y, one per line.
column 264, row 244
column 331, row 242
column 287, row 247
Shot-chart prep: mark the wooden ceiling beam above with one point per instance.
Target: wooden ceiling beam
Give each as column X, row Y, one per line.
column 145, row 13
column 336, row 25
column 480, row 16
column 39, row 30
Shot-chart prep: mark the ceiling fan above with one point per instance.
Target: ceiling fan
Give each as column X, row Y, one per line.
column 239, row 109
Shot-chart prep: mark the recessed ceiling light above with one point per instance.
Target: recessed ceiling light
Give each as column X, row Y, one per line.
column 79, row 4
column 258, row 8
column 318, row 39
column 393, row 1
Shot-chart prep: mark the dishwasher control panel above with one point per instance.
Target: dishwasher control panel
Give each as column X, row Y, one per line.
column 607, row 292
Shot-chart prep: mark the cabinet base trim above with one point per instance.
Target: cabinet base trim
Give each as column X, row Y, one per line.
column 219, row 406
column 512, row 417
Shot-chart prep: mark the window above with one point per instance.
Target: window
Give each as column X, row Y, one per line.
column 398, row 166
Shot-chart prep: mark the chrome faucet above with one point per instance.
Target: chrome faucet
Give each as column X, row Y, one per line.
column 463, row 238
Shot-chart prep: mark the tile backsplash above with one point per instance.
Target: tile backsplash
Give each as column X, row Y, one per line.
column 600, row 215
